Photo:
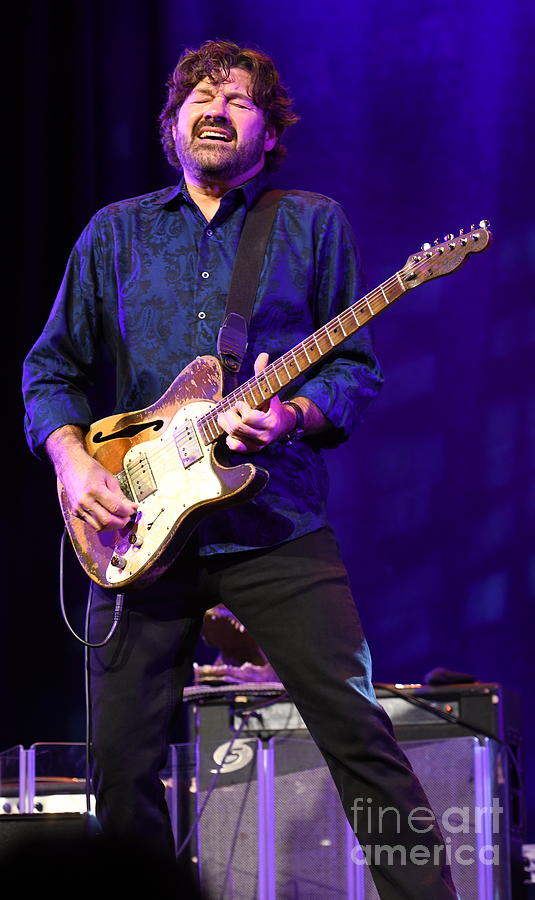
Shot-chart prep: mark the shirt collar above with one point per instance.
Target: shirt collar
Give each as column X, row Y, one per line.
column 249, row 191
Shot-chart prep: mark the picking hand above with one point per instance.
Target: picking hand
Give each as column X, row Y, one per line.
column 93, row 493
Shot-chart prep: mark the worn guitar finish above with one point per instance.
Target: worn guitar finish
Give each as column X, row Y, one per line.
column 165, row 457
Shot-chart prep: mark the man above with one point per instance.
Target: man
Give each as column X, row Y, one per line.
column 149, row 277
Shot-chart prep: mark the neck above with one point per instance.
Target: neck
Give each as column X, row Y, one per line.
column 206, row 192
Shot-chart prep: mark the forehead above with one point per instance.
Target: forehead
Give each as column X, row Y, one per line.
column 238, row 81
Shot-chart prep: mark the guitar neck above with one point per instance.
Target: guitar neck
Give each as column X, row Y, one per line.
column 283, row 371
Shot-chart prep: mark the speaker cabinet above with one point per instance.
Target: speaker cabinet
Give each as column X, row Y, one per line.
column 266, row 820
column 18, row 831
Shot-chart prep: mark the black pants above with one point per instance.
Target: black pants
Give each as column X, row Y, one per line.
column 296, row 601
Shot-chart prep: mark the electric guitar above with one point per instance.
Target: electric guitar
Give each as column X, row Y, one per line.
column 165, row 457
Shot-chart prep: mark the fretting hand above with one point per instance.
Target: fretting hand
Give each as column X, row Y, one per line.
column 250, row 430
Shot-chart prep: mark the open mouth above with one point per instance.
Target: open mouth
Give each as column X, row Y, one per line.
column 214, row 134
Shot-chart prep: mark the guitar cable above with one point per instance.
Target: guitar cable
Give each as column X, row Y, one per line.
column 246, row 715
column 503, row 745
column 119, row 603
column 117, row 614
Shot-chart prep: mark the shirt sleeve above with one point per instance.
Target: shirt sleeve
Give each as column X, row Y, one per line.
column 59, row 369
column 351, row 376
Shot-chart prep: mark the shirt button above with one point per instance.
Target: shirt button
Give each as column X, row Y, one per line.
column 209, row 232
column 201, row 315
column 205, row 274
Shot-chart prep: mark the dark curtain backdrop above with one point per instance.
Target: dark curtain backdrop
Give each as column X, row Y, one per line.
column 417, row 117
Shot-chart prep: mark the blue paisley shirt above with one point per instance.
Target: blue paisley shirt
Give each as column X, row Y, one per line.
column 147, row 283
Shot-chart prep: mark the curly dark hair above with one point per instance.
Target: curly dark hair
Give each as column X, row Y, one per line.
column 214, row 60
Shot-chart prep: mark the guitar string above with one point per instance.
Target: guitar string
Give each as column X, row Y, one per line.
column 350, row 314
column 280, row 365
column 347, row 316
column 208, row 420
column 355, row 309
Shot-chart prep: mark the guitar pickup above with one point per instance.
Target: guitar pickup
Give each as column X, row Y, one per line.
column 187, row 444
column 140, row 478
column 124, row 484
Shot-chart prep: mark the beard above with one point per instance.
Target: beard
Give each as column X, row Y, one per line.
column 221, row 160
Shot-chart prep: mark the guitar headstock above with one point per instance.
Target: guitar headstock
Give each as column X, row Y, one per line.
column 435, row 260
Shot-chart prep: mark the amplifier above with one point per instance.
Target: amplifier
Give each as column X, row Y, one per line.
column 417, row 712
column 265, row 819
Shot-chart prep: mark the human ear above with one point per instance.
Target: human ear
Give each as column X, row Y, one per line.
column 270, row 139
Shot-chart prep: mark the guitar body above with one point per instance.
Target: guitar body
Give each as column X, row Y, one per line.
column 162, row 462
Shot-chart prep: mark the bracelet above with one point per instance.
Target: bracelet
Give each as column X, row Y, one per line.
column 298, row 430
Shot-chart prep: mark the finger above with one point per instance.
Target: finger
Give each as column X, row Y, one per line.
column 120, row 504
column 240, row 419
column 237, row 446
column 261, row 362
column 85, row 516
column 100, row 519
column 103, row 509
column 229, row 421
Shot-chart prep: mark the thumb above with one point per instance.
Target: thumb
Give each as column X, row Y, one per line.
column 261, row 362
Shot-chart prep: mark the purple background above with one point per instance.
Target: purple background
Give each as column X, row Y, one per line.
column 418, row 118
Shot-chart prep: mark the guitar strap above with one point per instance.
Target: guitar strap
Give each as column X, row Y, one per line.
column 232, row 337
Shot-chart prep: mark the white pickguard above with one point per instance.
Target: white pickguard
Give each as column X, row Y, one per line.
column 179, row 488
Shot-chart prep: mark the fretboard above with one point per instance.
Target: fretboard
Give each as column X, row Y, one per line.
column 279, row 374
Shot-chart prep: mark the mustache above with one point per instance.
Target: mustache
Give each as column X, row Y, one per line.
column 208, row 123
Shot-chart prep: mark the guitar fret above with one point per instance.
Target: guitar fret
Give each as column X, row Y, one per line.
column 266, row 379
column 296, row 361
column 398, row 276
column 201, row 425
column 254, row 383
column 306, row 354
column 286, row 369
column 384, row 294
column 211, row 424
column 328, row 333
column 339, row 320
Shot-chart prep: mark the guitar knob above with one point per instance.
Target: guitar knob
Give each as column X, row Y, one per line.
column 118, row 561
column 135, row 539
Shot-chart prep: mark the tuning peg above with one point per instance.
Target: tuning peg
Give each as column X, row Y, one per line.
column 448, row 237
column 426, row 246
column 435, row 242
column 484, row 223
column 461, row 231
